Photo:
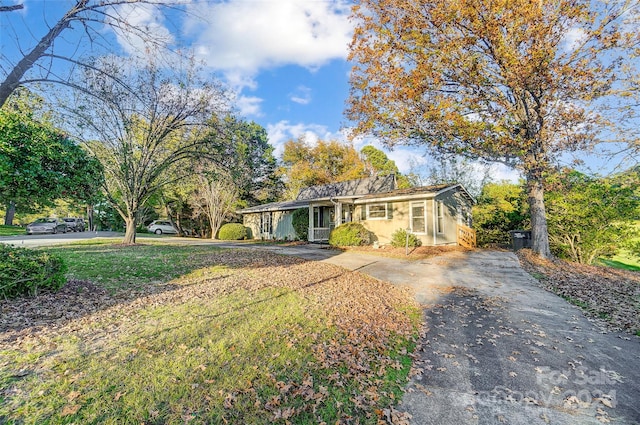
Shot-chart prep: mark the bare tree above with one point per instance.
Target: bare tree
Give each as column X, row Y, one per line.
column 24, row 64
column 143, row 137
column 473, row 175
column 216, row 198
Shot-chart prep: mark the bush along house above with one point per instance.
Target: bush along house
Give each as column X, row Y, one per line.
column 437, row 215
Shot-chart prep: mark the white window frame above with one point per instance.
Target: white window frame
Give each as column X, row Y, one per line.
column 266, row 222
column 424, row 216
column 386, row 212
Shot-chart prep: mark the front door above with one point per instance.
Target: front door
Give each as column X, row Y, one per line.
column 265, row 225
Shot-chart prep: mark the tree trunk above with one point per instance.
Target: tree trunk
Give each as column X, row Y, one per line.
column 130, row 232
column 539, row 230
column 90, row 217
column 212, row 224
column 11, row 212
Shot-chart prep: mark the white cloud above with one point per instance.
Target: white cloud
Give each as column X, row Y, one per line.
column 241, row 37
column 302, row 95
column 573, row 38
column 145, row 18
column 283, row 131
column 249, row 105
column 500, row 172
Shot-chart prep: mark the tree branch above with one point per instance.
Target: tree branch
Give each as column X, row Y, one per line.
column 11, row 8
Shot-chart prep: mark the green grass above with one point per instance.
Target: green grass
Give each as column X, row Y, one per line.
column 576, row 302
column 240, row 356
column 172, row 363
column 118, row 267
column 11, row 230
column 623, row 260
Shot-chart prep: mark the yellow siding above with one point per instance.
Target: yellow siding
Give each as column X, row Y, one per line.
column 252, row 222
column 400, row 218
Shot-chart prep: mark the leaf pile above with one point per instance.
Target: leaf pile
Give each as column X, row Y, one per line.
column 415, row 253
column 356, row 368
column 605, row 293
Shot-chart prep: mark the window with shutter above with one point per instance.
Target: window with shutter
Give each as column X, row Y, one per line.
column 376, row 211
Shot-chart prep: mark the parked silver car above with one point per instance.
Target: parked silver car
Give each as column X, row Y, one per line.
column 162, row 226
column 47, row 225
column 74, row 224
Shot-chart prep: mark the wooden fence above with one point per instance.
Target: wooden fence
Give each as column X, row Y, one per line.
column 466, row 236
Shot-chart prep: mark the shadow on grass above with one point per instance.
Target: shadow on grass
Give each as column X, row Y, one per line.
column 108, row 275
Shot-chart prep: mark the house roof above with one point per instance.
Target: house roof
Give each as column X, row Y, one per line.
column 371, row 189
column 276, row 206
column 413, row 192
column 351, row 188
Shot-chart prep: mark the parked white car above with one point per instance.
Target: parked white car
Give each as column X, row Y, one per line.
column 162, row 226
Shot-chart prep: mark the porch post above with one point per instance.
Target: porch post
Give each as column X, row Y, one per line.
column 338, row 214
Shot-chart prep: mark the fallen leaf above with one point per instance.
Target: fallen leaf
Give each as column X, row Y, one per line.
column 70, row 410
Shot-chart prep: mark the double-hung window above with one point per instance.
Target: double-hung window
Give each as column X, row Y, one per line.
column 418, row 217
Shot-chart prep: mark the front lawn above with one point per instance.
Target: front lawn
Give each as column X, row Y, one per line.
column 185, row 334
column 11, row 230
column 623, row 260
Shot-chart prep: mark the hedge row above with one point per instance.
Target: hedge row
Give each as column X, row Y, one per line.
column 27, row 271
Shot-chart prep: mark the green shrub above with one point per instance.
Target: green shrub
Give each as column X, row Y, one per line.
column 300, row 222
column 349, row 234
column 232, row 232
column 26, row 271
column 399, row 239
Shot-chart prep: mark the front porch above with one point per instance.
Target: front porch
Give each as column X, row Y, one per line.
column 326, row 216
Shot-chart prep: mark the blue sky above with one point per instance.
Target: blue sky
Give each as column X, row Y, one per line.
column 284, row 59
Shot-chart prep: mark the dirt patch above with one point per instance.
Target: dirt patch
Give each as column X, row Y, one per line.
column 607, row 294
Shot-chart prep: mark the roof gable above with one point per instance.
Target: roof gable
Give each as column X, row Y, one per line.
column 412, row 192
column 359, row 187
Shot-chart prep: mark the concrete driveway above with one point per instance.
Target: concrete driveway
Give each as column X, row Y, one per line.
column 499, row 349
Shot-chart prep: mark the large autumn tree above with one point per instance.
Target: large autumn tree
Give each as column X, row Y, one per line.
column 513, row 81
column 305, row 164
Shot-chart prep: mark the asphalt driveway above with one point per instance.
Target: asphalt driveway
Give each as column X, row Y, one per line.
column 499, row 349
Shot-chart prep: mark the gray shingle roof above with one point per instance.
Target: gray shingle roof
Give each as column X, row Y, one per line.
column 360, row 187
column 413, row 191
column 276, row 206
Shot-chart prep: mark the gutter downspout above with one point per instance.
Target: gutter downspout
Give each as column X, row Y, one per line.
column 435, row 212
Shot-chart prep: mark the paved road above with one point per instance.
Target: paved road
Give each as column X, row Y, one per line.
column 501, row 350
column 60, row 238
